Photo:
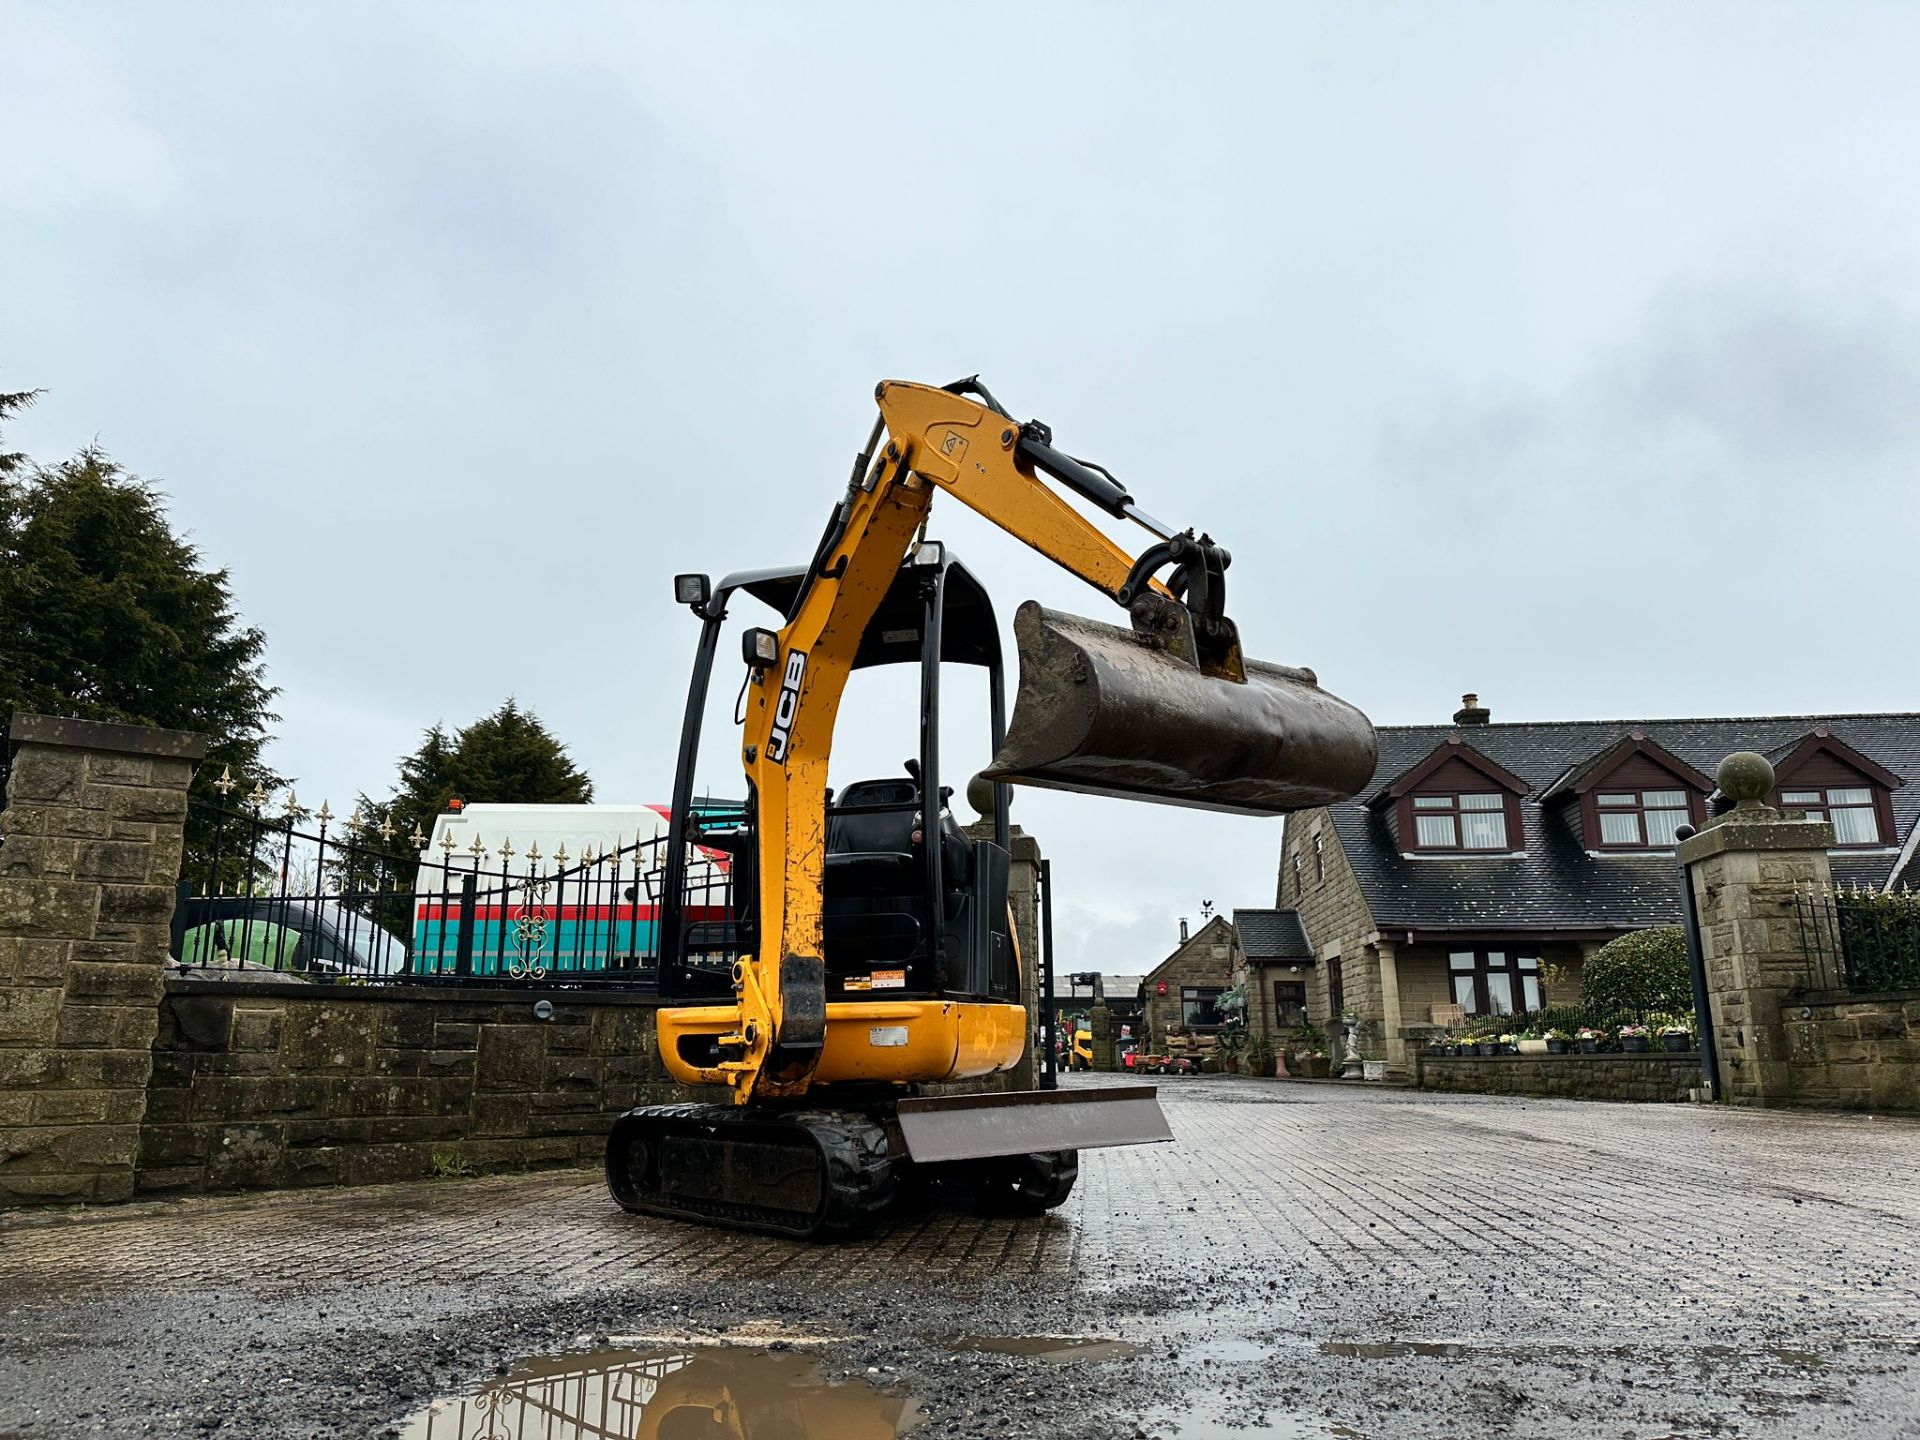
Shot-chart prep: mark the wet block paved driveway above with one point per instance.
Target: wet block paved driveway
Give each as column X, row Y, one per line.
column 1307, row 1260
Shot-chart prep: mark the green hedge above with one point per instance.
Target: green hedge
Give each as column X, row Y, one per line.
column 1640, row 973
column 1881, row 937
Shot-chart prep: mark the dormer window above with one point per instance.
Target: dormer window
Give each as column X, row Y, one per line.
column 1641, row 819
column 1830, row 780
column 1633, row 795
column 1456, row 801
column 1849, row 807
column 1475, row 820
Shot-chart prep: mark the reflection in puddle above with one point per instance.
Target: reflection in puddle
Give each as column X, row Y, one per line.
column 1061, row 1348
column 681, row 1393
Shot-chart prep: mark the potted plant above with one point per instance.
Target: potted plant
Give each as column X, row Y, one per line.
column 1531, row 1042
column 1257, row 1058
column 1589, row 1039
column 1505, row 1044
column 1633, row 1039
column 1675, row 1037
column 1556, row 1042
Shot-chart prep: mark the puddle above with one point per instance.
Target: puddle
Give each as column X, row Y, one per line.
column 675, row 1393
column 1394, row 1349
column 1061, row 1349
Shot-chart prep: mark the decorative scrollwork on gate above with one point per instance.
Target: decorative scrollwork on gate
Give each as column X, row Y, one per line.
column 530, row 921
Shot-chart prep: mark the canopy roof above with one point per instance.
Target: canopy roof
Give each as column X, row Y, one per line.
column 968, row 634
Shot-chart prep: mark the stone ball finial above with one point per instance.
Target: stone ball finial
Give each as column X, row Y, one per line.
column 1745, row 777
column 980, row 795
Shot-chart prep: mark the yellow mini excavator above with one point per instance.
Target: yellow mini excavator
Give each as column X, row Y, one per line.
column 864, row 949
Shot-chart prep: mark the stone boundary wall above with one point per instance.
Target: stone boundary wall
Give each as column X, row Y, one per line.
column 263, row 1085
column 117, row 1078
column 1854, row 1052
column 266, row 1085
column 1651, row 1077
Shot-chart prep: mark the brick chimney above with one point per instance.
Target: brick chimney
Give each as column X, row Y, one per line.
column 1471, row 712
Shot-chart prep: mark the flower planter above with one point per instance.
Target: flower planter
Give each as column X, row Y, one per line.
column 1556, row 1047
column 1589, row 1047
column 1634, row 1044
column 1676, row 1044
column 1373, row 1069
column 1533, row 1047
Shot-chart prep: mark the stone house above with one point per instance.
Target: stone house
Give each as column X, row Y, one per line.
column 1185, row 988
column 1483, row 863
column 1276, row 968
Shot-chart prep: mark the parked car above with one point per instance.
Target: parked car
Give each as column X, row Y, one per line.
column 318, row 937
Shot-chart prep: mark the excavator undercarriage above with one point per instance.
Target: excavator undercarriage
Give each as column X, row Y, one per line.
column 864, row 949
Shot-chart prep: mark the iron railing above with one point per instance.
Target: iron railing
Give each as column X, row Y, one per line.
column 284, row 889
column 1859, row 940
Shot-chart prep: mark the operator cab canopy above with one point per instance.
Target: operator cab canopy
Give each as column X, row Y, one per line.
column 968, row 635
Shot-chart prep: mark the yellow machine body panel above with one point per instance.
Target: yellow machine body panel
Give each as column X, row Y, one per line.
column 905, row 1042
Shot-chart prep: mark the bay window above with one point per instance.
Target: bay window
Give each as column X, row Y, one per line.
column 1494, row 982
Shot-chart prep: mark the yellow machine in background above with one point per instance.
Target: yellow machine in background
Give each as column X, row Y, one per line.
column 1081, row 1056
column 865, row 948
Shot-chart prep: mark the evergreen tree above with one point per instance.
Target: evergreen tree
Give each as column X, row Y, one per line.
column 107, row 614
column 507, row 757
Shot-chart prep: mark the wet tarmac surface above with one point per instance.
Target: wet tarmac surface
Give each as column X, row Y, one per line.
column 1308, row 1261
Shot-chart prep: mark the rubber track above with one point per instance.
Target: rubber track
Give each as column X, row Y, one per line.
column 857, row 1181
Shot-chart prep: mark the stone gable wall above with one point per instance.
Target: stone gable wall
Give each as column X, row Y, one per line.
column 1338, row 923
column 1194, row 962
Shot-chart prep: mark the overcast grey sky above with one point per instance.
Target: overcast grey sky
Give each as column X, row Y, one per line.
column 1568, row 354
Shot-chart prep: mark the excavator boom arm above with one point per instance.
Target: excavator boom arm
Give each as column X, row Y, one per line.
column 940, row 440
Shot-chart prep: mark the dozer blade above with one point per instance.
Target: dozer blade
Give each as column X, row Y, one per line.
column 1109, row 712
column 1025, row 1122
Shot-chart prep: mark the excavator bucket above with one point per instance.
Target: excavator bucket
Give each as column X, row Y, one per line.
column 1109, row 711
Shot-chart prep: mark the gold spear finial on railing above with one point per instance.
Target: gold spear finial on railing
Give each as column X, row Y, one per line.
column 506, row 850
column 358, row 820
column 586, row 855
column 257, row 797
column 446, row 844
column 560, row 855
column 476, row 849
column 533, row 852
column 386, row 829
column 225, row 784
column 324, row 813
column 418, row 839
column 295, row 811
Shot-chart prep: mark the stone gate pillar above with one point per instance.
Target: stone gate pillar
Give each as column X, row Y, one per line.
column 1023, row 898
column 1747, row 867
column 90, row 847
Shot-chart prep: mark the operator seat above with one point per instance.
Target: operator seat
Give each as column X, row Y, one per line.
column 870, row 848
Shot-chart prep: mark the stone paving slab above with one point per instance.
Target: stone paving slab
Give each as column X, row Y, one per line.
column 1543, row 1236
